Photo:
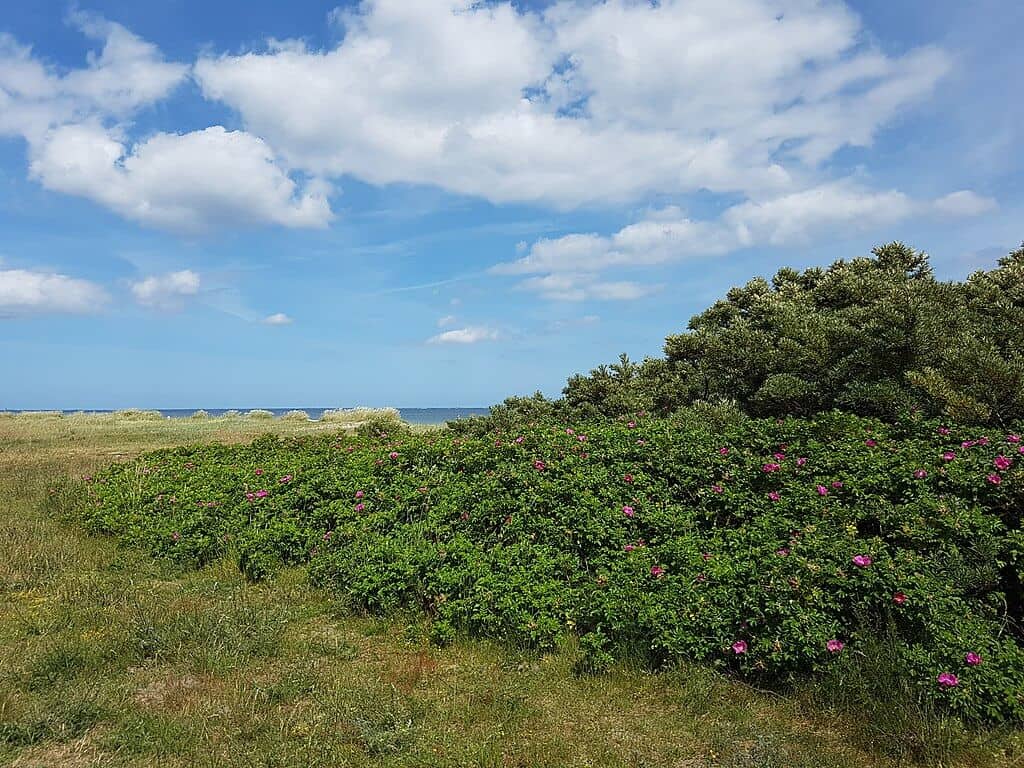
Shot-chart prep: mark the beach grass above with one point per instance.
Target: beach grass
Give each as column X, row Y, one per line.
column 109, row 658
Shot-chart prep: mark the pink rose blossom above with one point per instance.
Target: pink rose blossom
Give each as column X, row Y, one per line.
column 983, row 441
column 1002, row 463
column 862, row 561
column 899, row 598
column 539, row 465
column 972, row 659
column 359, row 494
column 261, row 494
column 717, row 489
column 360, row 507
column 837, row 484
column 285, row 479
column 948, row 456
column 628, row 511
column 723, row 451
column 250, row 496
column 629, row 547
column 739, row 647
column 948, row 680
column 393, row 455
column 631, row 425
column 782, row 552
column 822, row 490
column 994, row 479
column 519, row 439
column 870, row 443
column 943, row 430
column 835, row 646
column 771, row 467
column 774, row 495
column 628, row 478
column 657, row 571
column 801, row 461
column 920, row 474
column 176, row 536
column 779, row 456
column 259, row 471
column 1013, row 438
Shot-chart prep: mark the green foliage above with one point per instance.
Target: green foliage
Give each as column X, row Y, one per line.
column 652, row 539
column 875, row 336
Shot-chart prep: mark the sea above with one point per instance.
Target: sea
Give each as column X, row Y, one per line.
column 430, row 416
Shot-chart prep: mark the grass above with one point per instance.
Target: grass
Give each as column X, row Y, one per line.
column 108, row 658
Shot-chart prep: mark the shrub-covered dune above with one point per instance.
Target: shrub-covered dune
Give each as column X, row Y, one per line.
column 777, row 549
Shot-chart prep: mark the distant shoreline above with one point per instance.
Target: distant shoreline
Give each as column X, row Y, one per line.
column 408, row 415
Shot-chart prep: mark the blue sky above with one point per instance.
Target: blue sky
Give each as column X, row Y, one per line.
column 439, row 203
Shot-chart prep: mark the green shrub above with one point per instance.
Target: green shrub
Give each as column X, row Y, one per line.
column 295, row 416
column 774, row 549
column 259, row 413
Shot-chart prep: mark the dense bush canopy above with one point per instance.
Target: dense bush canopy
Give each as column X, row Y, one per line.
column 773, row 548
column 875, row 336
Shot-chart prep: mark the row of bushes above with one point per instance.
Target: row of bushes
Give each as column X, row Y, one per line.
column 772, row 548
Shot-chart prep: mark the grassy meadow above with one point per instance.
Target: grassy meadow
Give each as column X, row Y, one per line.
column 111, row 658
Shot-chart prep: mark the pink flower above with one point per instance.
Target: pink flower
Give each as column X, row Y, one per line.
column 631, row 425
column 539, row 465
column 943, row 430
column 641, row 442
column 801, row 461
column 862, row 561
column 359, row 494
column 519, row 439
column 779, row 456
column 285, row 479
column 870, row 444
column 393, row 455
column 327, row 536
column 723, row 451
column 899, row 598
column 569, row 431
column 259, row 471
column 994, row 479
column 628, row 511
column 822, row 490
column 628, row 478
column 1021, row 449
column 968, row 443
column 835, row 646
column 972, row 659
column 629, row 547
column 360, row 507
column 1013, row 438
column 261, row 494
column 706, row 556
column 774, row 495
column 176, row 536
column 657, row 571
column 771, row 467
column 948, row 680
column 739, row 647
column 948, row 456
column 920, row 474
column 1002, row 463
column 250, row 496
column 782, row 552
column 717, row 489
column 837, row 484
column 983, row 441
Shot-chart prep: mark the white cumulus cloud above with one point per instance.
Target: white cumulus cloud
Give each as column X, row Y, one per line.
column 166, row 291
column 278, row 318
column 469, row 335
column 27, row 292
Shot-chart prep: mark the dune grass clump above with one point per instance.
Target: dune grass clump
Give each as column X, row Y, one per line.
column 200, row 414
column 774, row 550
column 360, row 415
column 295, row 416
column 259, row 413
column 136, row 414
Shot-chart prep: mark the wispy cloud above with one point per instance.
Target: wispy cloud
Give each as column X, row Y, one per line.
column 469, row 335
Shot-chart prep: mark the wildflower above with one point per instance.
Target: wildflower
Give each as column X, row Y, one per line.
column 862, row 561
column 360, row 494
column 920, row 474
column 632, row 425
column 285, row 479
column 657, row 571
column 837, row 484
column 706, row 556
column 723, row 451
column 327, row 536
column 972, row 659
column 259, row 472
column 801, row 461
column 774, row 495
column 835, row 646
column 569, row 431
column 176, row 536
column 1002, row 463
column 948, row 456
column 1013, row 438
column 629, row 547
column 717, row 488
column 983, row 441
column 870, row 444
column 994, row 479
column 739, row 647
column 779, row 456
column 641, row 442
column 782, row 552
column 628, row 511
column 822, row 490
column 771, row 467
column 948, row 680
column 628, row 478
column 519, row 439
column 968, row 443
column 393, row 455
column 360, row 507
column 899, row 598
column 539, row 465
column 250, row 496
column 943, row 430
column 497, row 443
column 261, row 494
